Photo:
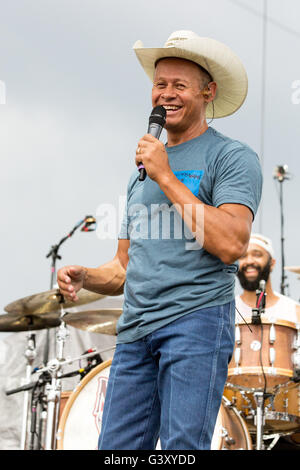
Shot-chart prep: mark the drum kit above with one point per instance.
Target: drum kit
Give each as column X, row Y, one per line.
column 261, row 399
column 43, row 397
column 263, row 382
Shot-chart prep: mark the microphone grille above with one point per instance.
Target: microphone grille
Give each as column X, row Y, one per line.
column 158, row 116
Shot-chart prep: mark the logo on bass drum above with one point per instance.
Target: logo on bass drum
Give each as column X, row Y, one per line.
column 99, row 402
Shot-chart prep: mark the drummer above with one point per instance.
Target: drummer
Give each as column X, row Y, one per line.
column 256, row 265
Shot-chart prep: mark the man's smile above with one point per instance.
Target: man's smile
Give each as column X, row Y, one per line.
column 172, row 108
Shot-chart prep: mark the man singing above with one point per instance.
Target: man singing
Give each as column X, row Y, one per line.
column 176, row 333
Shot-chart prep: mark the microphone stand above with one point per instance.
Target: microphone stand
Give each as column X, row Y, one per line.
column 281, row 174
column 53, row 253
column 87, row 221
column 54, row 391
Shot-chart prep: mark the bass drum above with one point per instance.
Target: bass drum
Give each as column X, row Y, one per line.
column 81, row 419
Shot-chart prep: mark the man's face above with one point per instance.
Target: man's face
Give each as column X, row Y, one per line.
column 254, row 266
column 177, row 87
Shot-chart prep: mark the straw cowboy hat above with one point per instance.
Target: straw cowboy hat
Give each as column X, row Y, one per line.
column 222, row 64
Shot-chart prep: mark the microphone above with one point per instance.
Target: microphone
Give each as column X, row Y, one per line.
column 281, row 173
column 157, row 121
column 261, row 294
column 260, row 303
column 88, row 221
column 262, row 285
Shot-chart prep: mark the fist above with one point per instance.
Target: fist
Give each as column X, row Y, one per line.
column 152, row 154
column 70, row 281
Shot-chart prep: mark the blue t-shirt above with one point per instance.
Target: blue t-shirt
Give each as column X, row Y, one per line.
column 169, row 274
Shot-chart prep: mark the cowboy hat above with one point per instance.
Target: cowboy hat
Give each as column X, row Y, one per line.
column 222, row 64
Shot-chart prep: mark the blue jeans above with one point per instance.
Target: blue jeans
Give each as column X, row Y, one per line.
column 169, row 384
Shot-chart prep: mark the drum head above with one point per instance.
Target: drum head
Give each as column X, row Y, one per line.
column 81, row 420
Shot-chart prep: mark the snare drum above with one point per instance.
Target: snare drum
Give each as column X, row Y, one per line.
column 264, row 353
column 81, row 420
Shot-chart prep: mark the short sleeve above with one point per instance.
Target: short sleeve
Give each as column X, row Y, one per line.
column 238, row 179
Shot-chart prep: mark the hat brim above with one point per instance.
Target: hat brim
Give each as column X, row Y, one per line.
column 223, row 65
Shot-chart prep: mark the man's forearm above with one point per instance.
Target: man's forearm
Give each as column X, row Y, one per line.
column 218, row 231
column 107, row 279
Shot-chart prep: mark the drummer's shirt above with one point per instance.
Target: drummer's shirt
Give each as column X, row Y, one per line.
column 283, row 309
column 169, row 273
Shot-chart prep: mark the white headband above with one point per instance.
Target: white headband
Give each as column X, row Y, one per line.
column 263, row 242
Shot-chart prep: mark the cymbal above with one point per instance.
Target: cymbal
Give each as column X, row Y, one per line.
column 12, row 322
column 95, row 321
column 293, row 269
column 49, row 301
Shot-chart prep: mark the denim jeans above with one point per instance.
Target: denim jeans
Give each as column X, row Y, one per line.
column 169, row 384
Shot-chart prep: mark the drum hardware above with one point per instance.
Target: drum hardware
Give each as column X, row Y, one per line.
column 259, row 418
column 275, row 438
column 38, row 397
column 237, row 335
column 296, row 355
column 30, row 355
column 93, row 361
column 281, row 415
column 261, row 396
column 54, row 389
column 78, row 358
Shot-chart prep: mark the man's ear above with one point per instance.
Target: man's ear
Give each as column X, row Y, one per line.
column 273, row 263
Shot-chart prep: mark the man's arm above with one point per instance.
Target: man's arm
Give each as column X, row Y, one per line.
column 223, row 231
column 107, row 279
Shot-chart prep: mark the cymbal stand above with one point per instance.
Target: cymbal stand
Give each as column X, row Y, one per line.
column 259, row 397
column 30, row 355
column 53, row 390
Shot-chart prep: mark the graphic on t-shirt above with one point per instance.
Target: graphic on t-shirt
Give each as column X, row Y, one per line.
column 191, row 179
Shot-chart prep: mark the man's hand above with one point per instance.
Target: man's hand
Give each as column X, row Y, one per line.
column 152, row 154
column 70, row 280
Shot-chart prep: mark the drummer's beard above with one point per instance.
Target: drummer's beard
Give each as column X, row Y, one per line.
column 263, row 274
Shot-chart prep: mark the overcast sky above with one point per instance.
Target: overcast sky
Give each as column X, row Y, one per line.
column 77, row 101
